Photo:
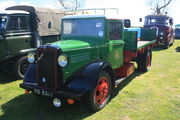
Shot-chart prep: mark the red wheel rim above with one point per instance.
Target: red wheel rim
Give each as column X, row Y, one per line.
column 148, row 60
column 101, row 91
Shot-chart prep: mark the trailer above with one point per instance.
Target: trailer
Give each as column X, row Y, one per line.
column 94, row 55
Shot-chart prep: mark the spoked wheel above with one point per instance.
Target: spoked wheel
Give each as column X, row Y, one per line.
column 144, row 61
column 101, row 91
column 99, row 96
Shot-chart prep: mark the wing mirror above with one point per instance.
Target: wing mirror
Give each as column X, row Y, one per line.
column 127, row 23
column 140, row 19
column 171, row 21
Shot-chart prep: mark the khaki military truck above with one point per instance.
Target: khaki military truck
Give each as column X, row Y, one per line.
column 23, row 29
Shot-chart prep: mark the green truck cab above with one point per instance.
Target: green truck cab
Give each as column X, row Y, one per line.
column 94, row 55
column 23, row 29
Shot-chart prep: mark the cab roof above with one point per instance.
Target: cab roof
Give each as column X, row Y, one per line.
column 154, row 16
column 10, row 12
column 92, row 16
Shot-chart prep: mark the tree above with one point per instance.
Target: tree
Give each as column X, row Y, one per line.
column 158, row 6
column 71, row 4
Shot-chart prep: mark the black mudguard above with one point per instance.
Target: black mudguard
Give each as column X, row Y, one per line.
column 88, row 78
column 30, row 75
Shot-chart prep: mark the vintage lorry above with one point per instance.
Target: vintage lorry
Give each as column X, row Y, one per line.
column 94, row 55
column 163, row 25
column 22, row 29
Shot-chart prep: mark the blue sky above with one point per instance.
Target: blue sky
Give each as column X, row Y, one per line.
column 132, row 9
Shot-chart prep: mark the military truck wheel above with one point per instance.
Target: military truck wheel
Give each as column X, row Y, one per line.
column 144, row 61
column 21, row 67
column 98, row 97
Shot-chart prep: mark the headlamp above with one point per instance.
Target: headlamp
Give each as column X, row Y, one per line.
column 62, row 61
column 31, row 57
column 161, row 33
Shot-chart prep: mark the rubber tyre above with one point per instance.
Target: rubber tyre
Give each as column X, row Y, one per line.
column 144, row 61
column 166, row 46
column 21, row 67
column 94, row 94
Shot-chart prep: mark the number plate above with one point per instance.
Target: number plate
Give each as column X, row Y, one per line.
column 43, row 92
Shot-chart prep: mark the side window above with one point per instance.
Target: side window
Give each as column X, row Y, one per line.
column 13, row 23
column 18, row 24
column 115, row 30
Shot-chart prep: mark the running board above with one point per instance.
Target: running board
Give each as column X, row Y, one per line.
column 118, row 81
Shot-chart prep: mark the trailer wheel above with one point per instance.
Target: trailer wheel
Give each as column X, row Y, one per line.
column 144, row 61
column 97, row 98
column 21, row 67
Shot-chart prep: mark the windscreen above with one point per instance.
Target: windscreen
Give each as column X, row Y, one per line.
column 83, row 28
column 153, row 21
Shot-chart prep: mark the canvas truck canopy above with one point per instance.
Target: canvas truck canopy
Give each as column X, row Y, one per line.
column 44, row 20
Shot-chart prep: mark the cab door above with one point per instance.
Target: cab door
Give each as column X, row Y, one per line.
column 116, row 44
column 18, row 35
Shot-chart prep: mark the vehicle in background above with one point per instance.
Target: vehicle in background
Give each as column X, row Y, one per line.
column 177, row 31
column 163, row 25
column 23, row 29
column 94, row 55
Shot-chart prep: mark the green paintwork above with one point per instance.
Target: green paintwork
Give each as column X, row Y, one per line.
column 69, row 45
column 2, row 49
column 130, row 39
column 115, row 55
column 78, row 52
column 17, row 43
column 20, row 42
column 83, row 50
column 132, row 44
column 148, row 34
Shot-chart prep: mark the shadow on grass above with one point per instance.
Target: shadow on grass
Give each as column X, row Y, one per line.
column 178, row 49
column 6, row 77
column 31, row 107
column 125, row 82
column 156, row 49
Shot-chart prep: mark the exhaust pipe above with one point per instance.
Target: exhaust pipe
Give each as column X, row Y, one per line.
column 57, row 102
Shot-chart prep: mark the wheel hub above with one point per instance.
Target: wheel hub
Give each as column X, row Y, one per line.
column 102, row 91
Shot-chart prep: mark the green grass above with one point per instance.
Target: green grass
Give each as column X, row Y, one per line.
column 154, row 95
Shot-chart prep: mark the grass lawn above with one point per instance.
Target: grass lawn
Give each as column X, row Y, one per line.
column 154, row 95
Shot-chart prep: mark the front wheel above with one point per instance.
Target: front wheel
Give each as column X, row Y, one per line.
column 20, row 67
column 166, row 46
column 98, row 97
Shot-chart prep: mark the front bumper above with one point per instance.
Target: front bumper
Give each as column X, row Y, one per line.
column 51, row 93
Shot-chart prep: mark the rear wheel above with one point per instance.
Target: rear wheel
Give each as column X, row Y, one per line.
column 144, row 61
column 98, row 97
column 20, row 67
